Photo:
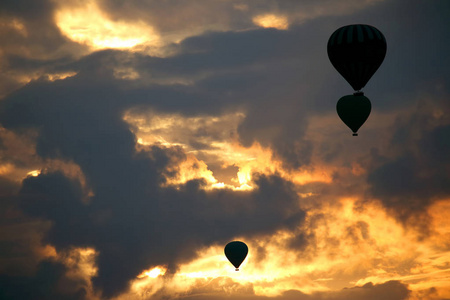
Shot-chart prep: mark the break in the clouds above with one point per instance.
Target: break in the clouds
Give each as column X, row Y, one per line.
column 139, row 137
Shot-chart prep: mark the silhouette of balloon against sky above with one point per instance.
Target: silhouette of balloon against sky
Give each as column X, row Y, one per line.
column 354, row 110
column 357, row 51
column 236, row 252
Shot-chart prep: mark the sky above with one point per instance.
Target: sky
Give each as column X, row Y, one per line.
column 138, row 138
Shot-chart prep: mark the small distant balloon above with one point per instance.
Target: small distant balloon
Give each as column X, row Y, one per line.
column 354, row 110
column 357, row 51
column 236, row 252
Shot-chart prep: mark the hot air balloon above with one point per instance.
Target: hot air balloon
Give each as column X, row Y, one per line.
column 236, row 252
column 354, row 110
column 357, row 51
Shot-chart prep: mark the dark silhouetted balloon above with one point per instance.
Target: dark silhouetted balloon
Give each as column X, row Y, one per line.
column 236, row 252
column 354, row 110
column 357, row 51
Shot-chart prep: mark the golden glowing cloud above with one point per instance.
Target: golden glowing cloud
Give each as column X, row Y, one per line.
column 223, row 148
column 20, row 148
column 190, row 169
column 351, row 247
column 258, row 159
column 271, row 21
column 349, row 244
column 34, row 173
column 6, row 168
column 153, row 273
column 87, row 24
column 81, row 267
column 24, row 78
column 81, row 262
column 60, row 76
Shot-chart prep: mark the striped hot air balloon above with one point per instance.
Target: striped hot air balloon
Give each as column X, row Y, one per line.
column 357, row 51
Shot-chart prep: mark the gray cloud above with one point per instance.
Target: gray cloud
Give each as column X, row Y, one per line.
column 49, row 282
column 407, row 184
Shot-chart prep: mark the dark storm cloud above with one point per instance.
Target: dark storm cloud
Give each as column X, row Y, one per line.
column 144, row 226
column 408, row 184
column 130, row 216
column 49, row 283
column 30, row 65
column 57, row 198
column 20, row 237
column 391, row 290
column 415, row 59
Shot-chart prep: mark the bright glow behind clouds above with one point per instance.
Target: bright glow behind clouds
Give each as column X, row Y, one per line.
column 216, row 145
column 373, row 248
column 271, row 21
column 88, row 25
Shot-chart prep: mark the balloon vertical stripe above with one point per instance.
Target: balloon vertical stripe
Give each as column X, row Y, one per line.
column 360, row 33
column 369, row 32
column 349, row 35
column 340, row 37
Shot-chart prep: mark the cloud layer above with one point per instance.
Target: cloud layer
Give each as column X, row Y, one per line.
column 156, row 154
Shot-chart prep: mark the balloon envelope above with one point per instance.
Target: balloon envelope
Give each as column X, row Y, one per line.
column 354, row 110
column 236, row 252
column 357, row 51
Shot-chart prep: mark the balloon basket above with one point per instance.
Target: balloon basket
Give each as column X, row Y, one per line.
column 355, row 134
column 237, row 269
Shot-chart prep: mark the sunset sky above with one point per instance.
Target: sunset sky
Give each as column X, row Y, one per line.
column 139, row 137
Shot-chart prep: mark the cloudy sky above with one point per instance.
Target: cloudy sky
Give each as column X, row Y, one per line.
column 138, row 138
